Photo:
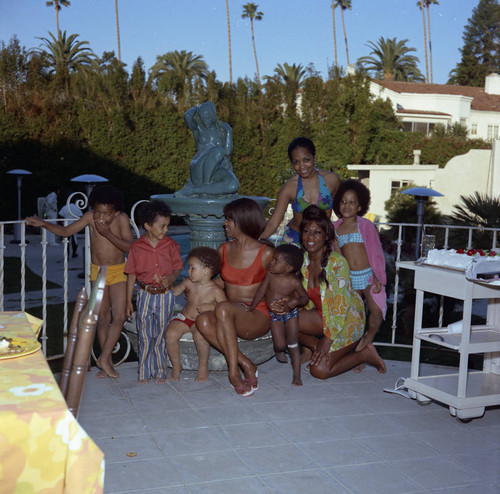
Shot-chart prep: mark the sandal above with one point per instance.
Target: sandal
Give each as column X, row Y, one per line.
column 253, row 382
column 399, row 388
column 243, row 390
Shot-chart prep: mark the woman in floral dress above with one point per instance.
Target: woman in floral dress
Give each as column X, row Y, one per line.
column 335, row 311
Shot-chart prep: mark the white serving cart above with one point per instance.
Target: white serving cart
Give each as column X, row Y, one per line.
column 466, row 392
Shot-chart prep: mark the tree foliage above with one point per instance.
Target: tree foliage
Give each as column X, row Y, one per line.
column 391, row 59
column 130, row 128
column 477, row 209
column 177, row 71
column 481, row 50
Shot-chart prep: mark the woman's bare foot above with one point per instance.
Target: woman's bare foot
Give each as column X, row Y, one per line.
column 296, row 381
column 281, row 357
column 143, row 381
column 242, row 387
column 375, row 359
column 107, row 370
column 359, row 368
column 175, row 376
column 160, row 380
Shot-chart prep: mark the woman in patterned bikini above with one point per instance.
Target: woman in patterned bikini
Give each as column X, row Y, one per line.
column 309, row 185
column 335, row 311
column 243, row 267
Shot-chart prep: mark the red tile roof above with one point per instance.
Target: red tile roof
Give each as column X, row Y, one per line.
column 481, row 100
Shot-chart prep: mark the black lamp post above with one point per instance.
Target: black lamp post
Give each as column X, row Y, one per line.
column 421, row 195
column 19, row 174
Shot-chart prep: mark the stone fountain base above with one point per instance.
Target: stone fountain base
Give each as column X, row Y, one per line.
column 204, row 216
column 258, row 351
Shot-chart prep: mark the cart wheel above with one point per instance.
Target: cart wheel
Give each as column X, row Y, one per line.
column 422, row 400
column 120, row 352
column 412, row 394
column 453, row 411
column 467, row 414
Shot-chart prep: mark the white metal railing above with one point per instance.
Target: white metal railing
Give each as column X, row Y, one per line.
column 37, row 246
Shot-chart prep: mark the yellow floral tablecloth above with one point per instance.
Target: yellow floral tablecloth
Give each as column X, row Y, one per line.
column 43, row 449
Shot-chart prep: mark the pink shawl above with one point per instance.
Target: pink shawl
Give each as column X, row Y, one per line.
column 376, row 258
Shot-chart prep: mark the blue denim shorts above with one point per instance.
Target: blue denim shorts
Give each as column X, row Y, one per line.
column 284, row 317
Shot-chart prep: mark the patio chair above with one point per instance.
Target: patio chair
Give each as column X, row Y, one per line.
column 79, row 350
column 81, row 300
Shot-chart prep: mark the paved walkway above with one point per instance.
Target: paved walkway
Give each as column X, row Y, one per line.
column 344, row 435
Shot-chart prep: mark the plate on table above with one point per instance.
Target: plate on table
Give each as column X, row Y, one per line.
column 19, row 347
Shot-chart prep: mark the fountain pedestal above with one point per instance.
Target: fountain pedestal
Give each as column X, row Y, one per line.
column 204, row 216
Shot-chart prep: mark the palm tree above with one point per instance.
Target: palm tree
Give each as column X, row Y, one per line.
column 250, row 12
column 428, row 3
column 229, row 44
column 118, row 31
column 291, row 75
column 182, row 67
column 344, row 4
column 477, row 209
column 480, row 210
column 390, row 59
column 420, row 5
column 58, row 4
column 334, row 32
column 65, row 55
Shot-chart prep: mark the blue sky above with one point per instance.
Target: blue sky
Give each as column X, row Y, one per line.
column 292, row 31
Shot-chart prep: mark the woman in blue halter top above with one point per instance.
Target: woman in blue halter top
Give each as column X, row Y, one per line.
column 308, row 186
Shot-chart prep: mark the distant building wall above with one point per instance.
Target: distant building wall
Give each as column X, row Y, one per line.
column 478, row 170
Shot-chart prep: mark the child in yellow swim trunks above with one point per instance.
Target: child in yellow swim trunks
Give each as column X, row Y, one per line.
column 115, row 274
column 110, row 239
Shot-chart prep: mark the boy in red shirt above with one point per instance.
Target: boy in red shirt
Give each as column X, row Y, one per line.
column 154, row 261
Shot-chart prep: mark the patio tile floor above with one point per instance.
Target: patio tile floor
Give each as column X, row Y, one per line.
column 344, row 435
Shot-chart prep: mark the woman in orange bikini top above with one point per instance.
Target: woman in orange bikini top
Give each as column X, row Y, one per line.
column 243, row 267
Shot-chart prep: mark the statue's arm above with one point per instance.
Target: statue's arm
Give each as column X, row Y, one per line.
column 229, row 138
column 189, row 118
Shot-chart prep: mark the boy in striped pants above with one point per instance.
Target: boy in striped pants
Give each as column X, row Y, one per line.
column 154, row 262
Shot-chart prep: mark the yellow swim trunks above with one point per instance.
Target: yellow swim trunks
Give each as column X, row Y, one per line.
column 115, row 274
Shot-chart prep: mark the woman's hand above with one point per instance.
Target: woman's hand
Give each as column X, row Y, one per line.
column 247, row 307
column 322, row 350
column 377, row 286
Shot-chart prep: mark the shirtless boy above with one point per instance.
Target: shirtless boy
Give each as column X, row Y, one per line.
column 201, row 294
column 110, row 239
column 283, row 284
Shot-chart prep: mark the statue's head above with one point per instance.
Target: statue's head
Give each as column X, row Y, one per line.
column 207, row 113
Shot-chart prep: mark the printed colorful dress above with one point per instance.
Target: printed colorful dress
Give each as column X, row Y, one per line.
column 342, row 307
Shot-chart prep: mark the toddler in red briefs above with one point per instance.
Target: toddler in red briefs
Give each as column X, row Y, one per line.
column 201, row 295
